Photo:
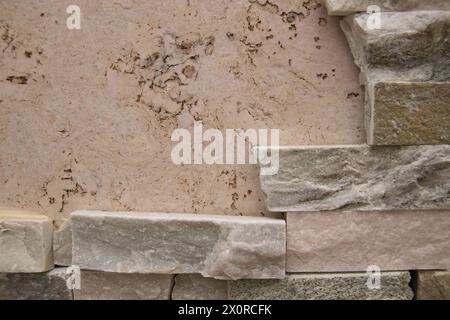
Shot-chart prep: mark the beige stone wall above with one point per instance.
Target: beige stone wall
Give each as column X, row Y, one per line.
column 82, row 127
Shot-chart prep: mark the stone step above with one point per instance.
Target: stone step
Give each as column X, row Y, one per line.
column 409, row 46
column 352, row 241
column 409, row 113
column 324, row 286
column 346, row 7
column 25, row 242
column 224, row 247
column 360, row 177
column 432, row 285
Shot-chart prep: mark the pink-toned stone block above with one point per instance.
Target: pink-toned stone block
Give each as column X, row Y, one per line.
column 351, row 241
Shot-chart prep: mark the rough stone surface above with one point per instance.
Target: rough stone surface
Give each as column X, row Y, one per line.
column 410, row 113
column 359, row 177
column 97, row 285
column 346, row 7
column 35, row 286
column 215, row 246
column 80, row 130
column 351, row 241
column 410, row 46
column 196, row 287
column 25, row 242
column 433, row 285
column 323, row 286
column 62, row 244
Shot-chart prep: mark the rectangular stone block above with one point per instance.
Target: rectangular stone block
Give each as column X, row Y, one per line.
column 196, row 287
column 315, row 178
column 406, row 113
column 25, row 242
column 223, row 247
column 432, row 285
column 62, row 244
column 346, row 7
column 35, row 286
column 352, row 241
column 324, row 286
column 97, row 285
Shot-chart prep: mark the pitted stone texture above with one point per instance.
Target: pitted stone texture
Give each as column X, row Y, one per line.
column 433, row 285
column 196, row 287
column 222, row 247
column 406, row 113
column 97, row 285
column 410, row 46
column 25, row 242
column 323, row 286
column 62, row 244
column 346, row 7
column 359, row 177
column 35, row 286
column 351, row 241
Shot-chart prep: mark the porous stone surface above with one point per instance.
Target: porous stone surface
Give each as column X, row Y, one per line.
column 79, row 128
column 359, row 177
column 97, row 285
column 346, row 7
column 35, row 286
column 323, row 286
column 343, row 241
column 196, row 287
column 62, row 244
column 404, row 113
column 223, row 247
column 410, row 46
column 25, row 242
column 433, row 285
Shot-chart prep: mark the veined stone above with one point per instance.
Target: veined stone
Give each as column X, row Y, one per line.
column 35, row 286
column 404, row 113
column 346, row 7
column 312, row 178
column 62, row 244
column 196, row 287
column 324, row 286
column 337, row 241
column 410, row 46
column 223, row 247
column 97, row 285
column 433, row 285
column 25, row 242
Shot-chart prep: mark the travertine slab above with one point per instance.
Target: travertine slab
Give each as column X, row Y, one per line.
column 25, row 242
column 97, row 285
column 223, row 247
column 323, row 286
column 35, row 286
column 62, row 244
column 346, row 7
column 352, row 241
column 433, row 285
column 315, row 178
column 196, row 287
column 405, row 113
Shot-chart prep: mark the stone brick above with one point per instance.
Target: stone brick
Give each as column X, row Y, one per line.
column 405, row 113
column 323, row 286
column 433, row 285
column 62, row 244
column 35, row 286
column 223, row 247
column 97, row 285
column 25, row 242
column 351, row 241
column 312, row 178
column 196, row 287
column 346, row 7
